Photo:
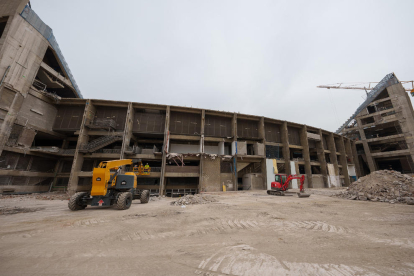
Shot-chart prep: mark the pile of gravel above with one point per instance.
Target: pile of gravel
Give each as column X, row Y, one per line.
column 194, row 199
column 383, row 186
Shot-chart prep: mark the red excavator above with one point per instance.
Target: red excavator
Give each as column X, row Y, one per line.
column 281, row 185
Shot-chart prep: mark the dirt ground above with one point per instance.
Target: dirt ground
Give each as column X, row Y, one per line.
column 243, row 233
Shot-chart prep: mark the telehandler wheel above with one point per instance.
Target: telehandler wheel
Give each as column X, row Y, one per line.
column 124, row 201
column 75, row 203
column 145, row 196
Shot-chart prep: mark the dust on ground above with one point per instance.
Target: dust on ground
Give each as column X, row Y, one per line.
column 383, row 186
column 240, row 234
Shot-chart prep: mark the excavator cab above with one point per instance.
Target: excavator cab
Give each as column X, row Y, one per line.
column 280, row 179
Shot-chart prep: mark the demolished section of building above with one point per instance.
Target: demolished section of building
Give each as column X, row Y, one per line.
column 51, row 138
column 383, row 129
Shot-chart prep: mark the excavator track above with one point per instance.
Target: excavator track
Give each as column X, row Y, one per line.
column 275, row 193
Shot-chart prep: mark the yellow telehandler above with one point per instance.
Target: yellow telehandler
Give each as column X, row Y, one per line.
column 110, row 188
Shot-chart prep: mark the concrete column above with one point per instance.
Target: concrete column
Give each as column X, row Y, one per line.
column 342, row 159
column 165, row 151
column 285, row 142
column 262, row 137
column 88, row 116
column 57, row 170
column 234, row 127
column 65, row 144
column 234, row 131
column 322, row 160
column 306, row 155
column 371, row 163
column 356, row 159
column 127, row 130
column 262, row 130
column 9, row 119
column 203, row 122
column 332, row 149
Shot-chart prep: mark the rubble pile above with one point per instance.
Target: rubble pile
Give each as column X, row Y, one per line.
column 384, row 186
column 194, row 199
column 40, row 196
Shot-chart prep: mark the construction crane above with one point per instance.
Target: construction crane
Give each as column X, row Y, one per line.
column 357, row 85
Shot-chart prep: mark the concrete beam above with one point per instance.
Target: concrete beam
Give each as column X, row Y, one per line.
column 391, row 153
column 185, row 137
column 25, row 173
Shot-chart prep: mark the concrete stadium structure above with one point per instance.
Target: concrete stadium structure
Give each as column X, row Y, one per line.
column 51, row 138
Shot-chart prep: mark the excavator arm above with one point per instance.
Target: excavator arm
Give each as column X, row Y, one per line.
column 102, row 179
column 292, row 177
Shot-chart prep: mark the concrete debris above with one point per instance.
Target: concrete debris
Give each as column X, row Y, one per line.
column 53, row 196
column 16, row 210
column 194, row 199
column 383, row 186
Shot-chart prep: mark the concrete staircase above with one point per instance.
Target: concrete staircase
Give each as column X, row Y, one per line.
column 99, row 143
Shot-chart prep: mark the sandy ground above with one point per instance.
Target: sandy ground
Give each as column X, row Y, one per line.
column 244, row 233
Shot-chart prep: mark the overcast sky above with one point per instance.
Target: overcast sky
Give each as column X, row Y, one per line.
column 254, row 57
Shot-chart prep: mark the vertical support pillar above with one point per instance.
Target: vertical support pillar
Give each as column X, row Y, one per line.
column 165, row 151
column 88, row 116
column 262, row 137
column 353, row 156
column 127, row 130
column 200, row 178
column 342, row 159
column 332, row 155
column 371, row 163
column 322, row 159
column 286, row 150
column 9, row 119
column 234, row 131
column 306, row 155
column 356, row 159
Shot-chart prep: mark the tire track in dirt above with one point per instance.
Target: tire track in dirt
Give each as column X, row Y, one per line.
column 243, row 260
column 217, row 226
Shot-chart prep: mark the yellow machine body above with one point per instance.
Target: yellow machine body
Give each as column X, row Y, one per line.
column 102, row 176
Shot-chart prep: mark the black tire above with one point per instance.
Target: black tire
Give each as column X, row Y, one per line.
column 145, row 196
column 75, row 203
column 124, row 201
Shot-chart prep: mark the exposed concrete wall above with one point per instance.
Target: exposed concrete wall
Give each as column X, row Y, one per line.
column 38, row 112
column 318, row 181
column 210, row 178
column 227, row 180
